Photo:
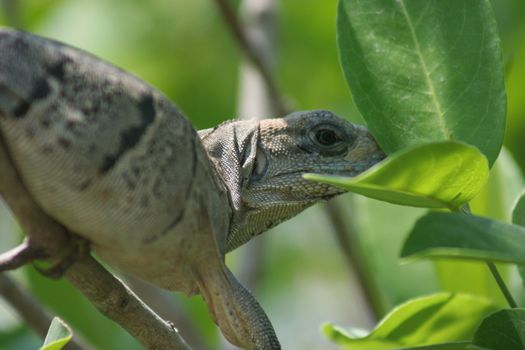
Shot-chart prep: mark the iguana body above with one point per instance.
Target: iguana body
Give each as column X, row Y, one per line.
column 117, row 163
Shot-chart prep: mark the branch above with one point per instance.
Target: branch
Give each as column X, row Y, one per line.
column 31, row 311
column 105, row 291
column 168, row 306
column 253, row 55
column 343, row 233
column 348, row 241
column 19, row 256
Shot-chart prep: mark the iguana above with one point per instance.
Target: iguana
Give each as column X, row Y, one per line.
column 117, row 163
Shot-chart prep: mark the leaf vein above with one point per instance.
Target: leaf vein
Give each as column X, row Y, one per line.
column 426, row 72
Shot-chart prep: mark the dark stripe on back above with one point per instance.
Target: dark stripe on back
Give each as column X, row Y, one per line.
column 40, row 91
column 57, row 70
column 130, row 137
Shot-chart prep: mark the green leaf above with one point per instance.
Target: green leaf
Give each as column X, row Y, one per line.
column 518, row 212
column 429, row 320
column 463, row 236
column 518, row 218
column 58, row 335
column 422, row 71
column 495, row 201
column 503, row 330
column 447, row 346
column 436, row 175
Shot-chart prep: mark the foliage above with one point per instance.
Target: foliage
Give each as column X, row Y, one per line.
column 419, row 74
column 58, row 335
column 418, row 71
column 189, row 55
column 428, row 320
column 470, row 237
column 504, row 329
column 435, row 175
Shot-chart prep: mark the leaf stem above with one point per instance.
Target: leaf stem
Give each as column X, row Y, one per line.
column 501, row 284
column 465, row 209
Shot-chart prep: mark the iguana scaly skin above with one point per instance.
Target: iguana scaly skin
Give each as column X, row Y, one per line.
column 262, row 162
column 117, row 163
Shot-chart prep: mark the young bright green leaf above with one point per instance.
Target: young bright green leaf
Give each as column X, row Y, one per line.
column 435, row 175
column 503, row 330
column 463, row 236
column 425, row 321
column 58, row 335
column 422, row 71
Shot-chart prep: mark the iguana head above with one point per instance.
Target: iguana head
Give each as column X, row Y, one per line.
column 306, row 142
column 264, row 178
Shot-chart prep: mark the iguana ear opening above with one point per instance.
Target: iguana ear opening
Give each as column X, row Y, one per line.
column 260, row 165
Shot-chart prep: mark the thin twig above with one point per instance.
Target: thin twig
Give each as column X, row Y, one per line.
column 349, row 243
column 105, row 291
column 251, row 53
column 465, row 209
column 19, row 256
column 168, row 306
column 501, row 284
column 31, row 311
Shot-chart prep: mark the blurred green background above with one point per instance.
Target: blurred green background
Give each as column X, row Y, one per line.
column 184, row 49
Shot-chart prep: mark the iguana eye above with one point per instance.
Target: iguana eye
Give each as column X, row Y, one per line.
column 326, row 137
column 329, row 139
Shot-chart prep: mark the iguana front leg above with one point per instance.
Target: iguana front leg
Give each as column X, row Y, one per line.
column 239, row 316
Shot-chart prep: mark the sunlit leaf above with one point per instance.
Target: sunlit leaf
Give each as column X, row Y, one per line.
column 422, row 71
column 463, row 236
column 503, row 330
column 424, row 321
column 58, row 335
column 436, row 175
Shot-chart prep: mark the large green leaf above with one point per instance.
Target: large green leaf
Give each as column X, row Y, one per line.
column 58, row 335
column 422, row 71
column 435, row 175
column 463, row 236
column 438, row 318
column 503, row 330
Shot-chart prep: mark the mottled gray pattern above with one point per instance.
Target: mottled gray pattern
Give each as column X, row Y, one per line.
column 116, row 162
